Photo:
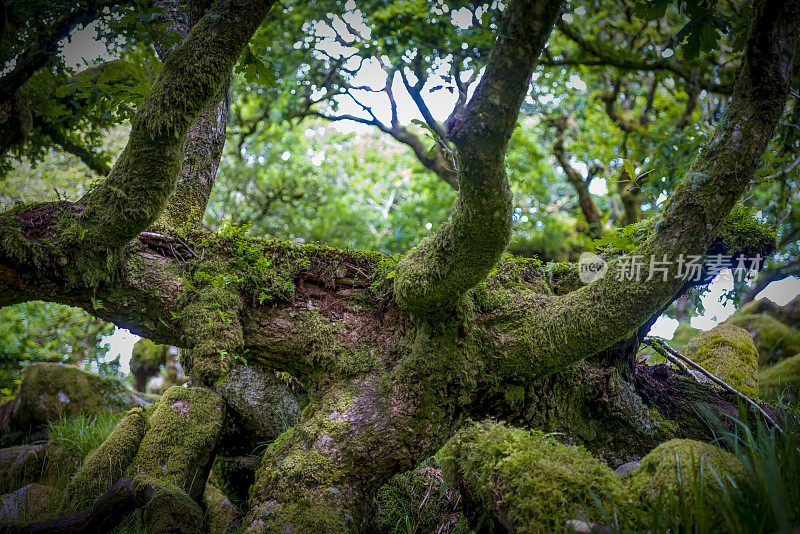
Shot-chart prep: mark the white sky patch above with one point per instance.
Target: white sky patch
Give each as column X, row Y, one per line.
column 82, row 47
column 664, row 327
column 716, row 311
column 598, row 186
column 121, row 343
column 575, row 83
column 782, row 291
column 462, row 18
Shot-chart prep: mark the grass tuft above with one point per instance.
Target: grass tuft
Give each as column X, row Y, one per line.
column 84, row 433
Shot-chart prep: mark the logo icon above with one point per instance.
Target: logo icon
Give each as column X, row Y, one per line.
column 591, row 267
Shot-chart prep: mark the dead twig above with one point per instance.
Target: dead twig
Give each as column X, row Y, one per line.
column 660, row 346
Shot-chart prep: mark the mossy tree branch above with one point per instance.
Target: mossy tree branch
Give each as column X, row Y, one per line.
column 144, row 177
column 206, row 138
column 437, row 273
column 596, row 316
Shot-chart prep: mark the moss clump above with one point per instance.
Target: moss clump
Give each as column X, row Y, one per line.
column 742, row 233
column 729, row 353
column 51, row 389
column 676, row 466
column 526, row 480
column 222, row 515
column 108, row 462
column 417, row 500
column 170, row 509
column 181, row 436
column 773, row 339
column 781, row 379
column 509, row 276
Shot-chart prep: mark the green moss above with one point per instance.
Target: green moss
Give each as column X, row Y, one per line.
column 773, row 339
column 563, row 277
column 417, row 501
column 42, row 462
column 683, row 334
column 780, row 380
column 527, row 480
column 510, row 275
column 182, row 433
column 221, row 515
column 170, row 509
column 729, row 353
column 108, row 462
column 742, row 233
column 677, row 465
column 51, row 389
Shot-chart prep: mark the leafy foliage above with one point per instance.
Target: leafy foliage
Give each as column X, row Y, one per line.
column 46, row 332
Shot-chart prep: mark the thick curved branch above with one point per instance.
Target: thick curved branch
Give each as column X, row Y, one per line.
column 610, row 309
column 103, row 515
column 437, row 273
column 93, row 161
column 144, row 177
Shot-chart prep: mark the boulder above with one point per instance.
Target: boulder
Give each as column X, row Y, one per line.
column 51, row 389
column 526, row 480
column 774, row 339
column 659, row 470
column 729, row 353
column 42, row 462
column 259, row 401
column 781, row 380
column 28, row 504
column 222, row 516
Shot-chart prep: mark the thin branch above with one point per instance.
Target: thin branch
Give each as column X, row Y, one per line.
column 780, row 173
column 661, row 346
column 622, row 62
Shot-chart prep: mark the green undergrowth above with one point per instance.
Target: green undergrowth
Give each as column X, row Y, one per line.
column 84, row 433
column 754, row 488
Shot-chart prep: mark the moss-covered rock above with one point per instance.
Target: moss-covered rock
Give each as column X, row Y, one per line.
column 261, row 402
column 675, row 465
column 50, row 389
column 774, row 339
column 170, row 509
column 527, row 481
column 221, row 515
column 42, row 462
column 27, row 504
column 418, row 500
column 789, row 314
column 781, row 379
column 181, row 436
column 683, row 334
column 729, row 353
